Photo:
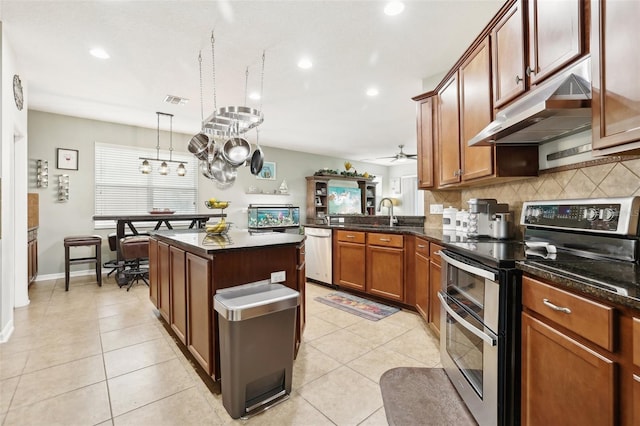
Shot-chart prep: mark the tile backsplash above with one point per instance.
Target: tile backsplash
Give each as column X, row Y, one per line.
column 617, row 179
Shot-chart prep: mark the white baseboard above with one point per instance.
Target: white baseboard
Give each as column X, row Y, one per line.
column 6, row 332
column 59, row 275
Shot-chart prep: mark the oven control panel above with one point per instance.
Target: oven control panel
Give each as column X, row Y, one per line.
column 604, row 215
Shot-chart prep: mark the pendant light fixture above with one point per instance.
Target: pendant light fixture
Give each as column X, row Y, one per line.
column 164, row 170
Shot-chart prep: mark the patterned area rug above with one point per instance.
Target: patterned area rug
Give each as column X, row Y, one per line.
column 357, row 305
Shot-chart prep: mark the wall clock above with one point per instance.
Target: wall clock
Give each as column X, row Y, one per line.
column 17, row 92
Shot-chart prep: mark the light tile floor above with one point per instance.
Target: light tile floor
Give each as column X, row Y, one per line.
column 101, row 356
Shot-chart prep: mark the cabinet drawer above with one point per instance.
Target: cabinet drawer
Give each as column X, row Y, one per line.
column 422, row 247
column 385, row 240
column 351, row 236
column 587, row 318
column 636, row 342
column 433, row 249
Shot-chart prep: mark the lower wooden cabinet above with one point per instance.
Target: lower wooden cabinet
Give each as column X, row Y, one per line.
column 421, row 261
column 349, row 260
column 435, row 278
column 32, row 254
column 636, row 369
column 153, row 271
column 564, row 379
column 164, row 277
column 199, row 311
column 385, row 265
column 178, row 293
column 301, row 315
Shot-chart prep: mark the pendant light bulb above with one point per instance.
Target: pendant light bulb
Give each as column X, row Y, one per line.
column 181, row 170
column 145, row 167
column 164, row 169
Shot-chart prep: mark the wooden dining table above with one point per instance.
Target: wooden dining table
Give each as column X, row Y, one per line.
column 196, row 221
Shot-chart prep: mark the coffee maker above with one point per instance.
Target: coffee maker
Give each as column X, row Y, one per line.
column 488, row 218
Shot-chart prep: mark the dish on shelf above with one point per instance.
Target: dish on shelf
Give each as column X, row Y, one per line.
column 217, row 204
column 161, row 211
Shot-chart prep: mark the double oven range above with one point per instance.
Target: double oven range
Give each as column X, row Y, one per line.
column 595, row 240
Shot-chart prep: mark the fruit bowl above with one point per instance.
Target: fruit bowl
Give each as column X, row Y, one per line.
column 219, row 228
column 217, row 204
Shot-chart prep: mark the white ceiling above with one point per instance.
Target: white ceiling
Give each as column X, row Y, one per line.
column 154, row 48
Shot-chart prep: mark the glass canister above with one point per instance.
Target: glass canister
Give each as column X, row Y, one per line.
column 449, row 219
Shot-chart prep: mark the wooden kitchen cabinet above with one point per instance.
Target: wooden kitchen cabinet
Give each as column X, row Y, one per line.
column 615, row 66
column 199, row 310
column 301, row 315
column 476, row 112
column 349, row 259
column 385, row 265
column 318, row 195
column 435, row 284
column 636, row 368
column 448, row 140
column 425, row 128
column 32, row 254
column 178, row 293
column 508, row 56
column 421, row 261
column 153, row 271
column 164, row 279
column 556, row 36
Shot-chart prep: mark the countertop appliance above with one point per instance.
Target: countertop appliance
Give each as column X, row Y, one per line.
column 318, row 255
column 592, row 240
column 483, row 212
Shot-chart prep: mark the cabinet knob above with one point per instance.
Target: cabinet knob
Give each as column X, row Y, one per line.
column 518, row 79
column 529, row 71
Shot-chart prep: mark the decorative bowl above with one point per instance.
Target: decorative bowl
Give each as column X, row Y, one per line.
column 220, row 228
column 161, row 211
column 217, row 204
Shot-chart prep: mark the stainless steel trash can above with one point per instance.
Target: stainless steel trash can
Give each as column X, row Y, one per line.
column 257, row 324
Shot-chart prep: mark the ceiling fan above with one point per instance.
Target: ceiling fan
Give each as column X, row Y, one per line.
column 401, row 155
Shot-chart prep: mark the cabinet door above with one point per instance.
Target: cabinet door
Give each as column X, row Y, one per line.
column 434, row 303
column 556, row 36
column 475, row 111
column 385, row 272
column 178, row 293
column 351, row 272
column 507, row 39
column 153, row 271
column 422, row 284
column 164, row 302
column 200, row 311
column 449, row 133
column 425, row 143
column 563, row 379
column 636, row 399
column 615, row 67
column 302, row 287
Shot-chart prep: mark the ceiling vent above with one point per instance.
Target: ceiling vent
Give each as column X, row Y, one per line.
column 175, row 100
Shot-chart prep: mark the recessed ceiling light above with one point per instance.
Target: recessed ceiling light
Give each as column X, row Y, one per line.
column 305, row 63
column 394, row 8
column 99, row 52
column 254, row 95
column 372, row 91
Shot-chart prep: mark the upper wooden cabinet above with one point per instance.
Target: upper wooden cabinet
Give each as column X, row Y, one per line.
column 616, row 86
column 556, row 36
column 508, row 56
column 449, row 133
column 475, row 108
column 425, row 112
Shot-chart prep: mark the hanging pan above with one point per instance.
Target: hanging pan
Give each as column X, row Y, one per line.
column 257, row 159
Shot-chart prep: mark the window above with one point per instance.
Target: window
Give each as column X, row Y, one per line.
column 120, row 188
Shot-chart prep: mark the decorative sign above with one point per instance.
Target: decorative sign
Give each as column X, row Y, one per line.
column 67, row 159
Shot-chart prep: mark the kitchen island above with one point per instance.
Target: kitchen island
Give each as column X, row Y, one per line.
column 187, row 267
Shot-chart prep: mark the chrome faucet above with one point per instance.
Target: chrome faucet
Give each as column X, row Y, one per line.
column 392, row 219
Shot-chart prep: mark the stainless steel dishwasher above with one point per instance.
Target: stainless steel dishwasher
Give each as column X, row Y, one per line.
column 318, row 254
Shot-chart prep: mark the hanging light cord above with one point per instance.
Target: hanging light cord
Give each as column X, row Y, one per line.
column 262, row 80
column 201, row 95
column 170, row 137
column 158, row 136
column 213, row 59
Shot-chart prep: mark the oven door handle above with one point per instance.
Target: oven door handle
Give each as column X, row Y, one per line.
column 468, row 268
column 491, row 339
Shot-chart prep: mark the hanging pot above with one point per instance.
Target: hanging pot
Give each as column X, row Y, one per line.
column 257, row 159
column 221, row 171
column 236, row 151
column 199, row 146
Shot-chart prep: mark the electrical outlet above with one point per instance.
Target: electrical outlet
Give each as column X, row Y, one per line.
column 341, row 220
column 436, row 208
column 278, row 277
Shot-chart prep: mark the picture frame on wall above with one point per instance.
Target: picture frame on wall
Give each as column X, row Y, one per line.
column 268, row 171
column 67, row 159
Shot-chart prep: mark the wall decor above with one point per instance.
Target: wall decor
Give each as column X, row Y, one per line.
column 67, row 159
column 396, row 186
column 42, row 173
column 268, row 171
column 63, row 188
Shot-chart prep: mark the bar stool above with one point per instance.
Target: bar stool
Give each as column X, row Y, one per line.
column 82, row 241
column 134, row 250
column 113, row 263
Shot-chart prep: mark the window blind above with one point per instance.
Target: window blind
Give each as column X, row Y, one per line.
column 120, row 187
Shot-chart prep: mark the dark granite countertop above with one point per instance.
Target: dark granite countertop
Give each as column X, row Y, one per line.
column 198, row 241
column 434, row 235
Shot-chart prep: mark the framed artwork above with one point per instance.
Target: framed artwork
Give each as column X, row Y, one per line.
column 396, row 187
column 67, row 159
column 268, row 171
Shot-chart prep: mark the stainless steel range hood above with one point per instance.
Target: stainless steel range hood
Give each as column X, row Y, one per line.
column 557, row 108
